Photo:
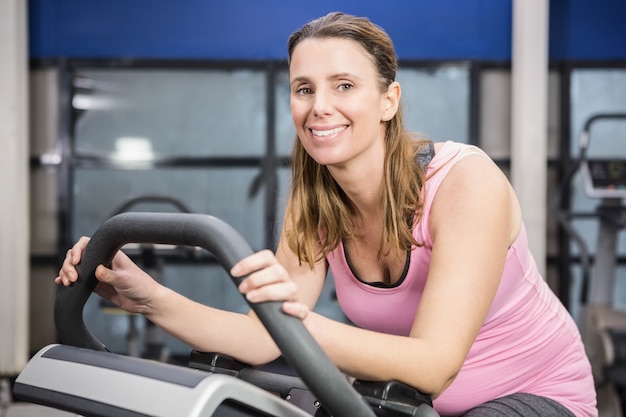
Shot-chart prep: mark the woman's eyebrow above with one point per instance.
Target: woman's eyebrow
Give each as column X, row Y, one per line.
column 299, row 80
column 331, row 77
column 343, row 75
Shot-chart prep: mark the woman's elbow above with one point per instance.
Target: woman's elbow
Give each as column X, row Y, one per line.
column 441, row 385
column 435, row 378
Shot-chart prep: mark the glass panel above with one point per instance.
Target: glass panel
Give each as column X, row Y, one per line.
column 619, row 300
column 285, row 131
column 495, row 112
column 170, row 112
column 596, row 91
column 435, row 103
column 223, row 193
column 284, row 185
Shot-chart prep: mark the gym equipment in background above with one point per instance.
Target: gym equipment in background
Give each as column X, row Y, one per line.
column 82, row 376
column 603, row 327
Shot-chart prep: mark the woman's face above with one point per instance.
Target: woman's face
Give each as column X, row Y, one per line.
column 337, row 107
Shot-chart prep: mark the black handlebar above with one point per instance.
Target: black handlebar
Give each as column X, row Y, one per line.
column 602, row 116
column 228, row 247
column 585, row 134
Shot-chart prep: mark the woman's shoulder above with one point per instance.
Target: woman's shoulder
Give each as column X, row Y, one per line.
column 460, row 167
column 449, row 153
column 470, row 178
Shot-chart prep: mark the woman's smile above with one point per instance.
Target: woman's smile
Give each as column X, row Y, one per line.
column 323, row 134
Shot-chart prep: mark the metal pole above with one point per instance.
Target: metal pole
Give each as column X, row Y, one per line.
column 529, row 118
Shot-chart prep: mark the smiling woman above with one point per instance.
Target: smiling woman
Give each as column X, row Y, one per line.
column 425, row 242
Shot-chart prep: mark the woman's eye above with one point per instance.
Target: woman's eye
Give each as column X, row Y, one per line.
column 345, row 87
column 304, row 91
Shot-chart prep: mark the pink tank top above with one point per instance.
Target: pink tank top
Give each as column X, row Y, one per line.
column 528, row 342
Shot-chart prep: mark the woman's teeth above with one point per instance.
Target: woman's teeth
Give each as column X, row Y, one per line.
column 328, row 132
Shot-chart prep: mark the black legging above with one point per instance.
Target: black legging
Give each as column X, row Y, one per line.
column 520, row 405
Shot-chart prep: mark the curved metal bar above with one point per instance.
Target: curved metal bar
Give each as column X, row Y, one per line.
column 296, row 343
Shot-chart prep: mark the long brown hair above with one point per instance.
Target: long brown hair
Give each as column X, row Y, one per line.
column 321, row 216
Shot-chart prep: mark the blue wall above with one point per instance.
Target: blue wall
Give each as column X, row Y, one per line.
column 258, row 29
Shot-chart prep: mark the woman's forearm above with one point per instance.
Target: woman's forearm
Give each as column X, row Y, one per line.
column 211, row 330
column 369, row 355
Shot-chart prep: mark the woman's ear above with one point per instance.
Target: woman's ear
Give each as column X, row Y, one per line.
column 391, row 101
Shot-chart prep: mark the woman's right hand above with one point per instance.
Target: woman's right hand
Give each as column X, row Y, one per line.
column 124, row 284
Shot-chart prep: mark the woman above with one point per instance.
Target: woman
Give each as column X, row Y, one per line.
column 431, row 263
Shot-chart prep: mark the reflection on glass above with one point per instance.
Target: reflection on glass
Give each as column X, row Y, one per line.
column 133, row 149
column 182, row 112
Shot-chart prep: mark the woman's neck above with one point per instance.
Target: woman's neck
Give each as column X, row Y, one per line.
column 362, row 180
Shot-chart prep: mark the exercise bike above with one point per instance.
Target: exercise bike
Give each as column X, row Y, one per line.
column 82, row 376
column 603, row 327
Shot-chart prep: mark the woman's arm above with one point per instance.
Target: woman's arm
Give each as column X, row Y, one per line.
column 241, row 336
column 201, row 327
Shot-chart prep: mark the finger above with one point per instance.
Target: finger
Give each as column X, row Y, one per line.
column 62, row 280
column 285, row 291
column 76, row 253
column 268, row 276
column 105, row 275
column 67, row 262
column 259, row 260
column 67, row 273
column 296, row 309
column 65, row 279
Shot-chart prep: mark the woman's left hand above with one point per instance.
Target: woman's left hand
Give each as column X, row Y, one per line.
column 267, row 280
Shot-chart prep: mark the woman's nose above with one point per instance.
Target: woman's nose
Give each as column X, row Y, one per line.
column 322, row 103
